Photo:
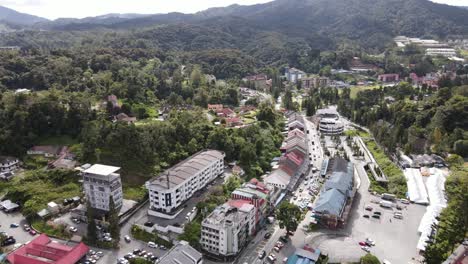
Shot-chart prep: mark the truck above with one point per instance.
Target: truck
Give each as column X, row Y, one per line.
column 386, row 204
column 388, row 197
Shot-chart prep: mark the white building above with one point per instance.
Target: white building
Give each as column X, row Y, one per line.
column 447, row 52
column 8, row 164
column 177, row 184
column 331, row 126
column 100, row 182
column 293, row 75
column 226, row 230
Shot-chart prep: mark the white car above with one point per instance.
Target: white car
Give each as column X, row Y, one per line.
column 73, row 229
column 152, row 245
column 365, row 248
column 369, row 241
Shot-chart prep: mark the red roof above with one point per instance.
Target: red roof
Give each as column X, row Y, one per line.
column 42, row 250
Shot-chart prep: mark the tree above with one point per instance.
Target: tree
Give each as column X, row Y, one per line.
column 369, row 259
column 289, row 216
column 454, row 161
column 113, row 219
column 267, row 113
column 231, row 184
column 91, row 228
column 192, row 233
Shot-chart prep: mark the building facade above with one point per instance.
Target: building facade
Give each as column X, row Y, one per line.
column 293, row 75
column 227, row 229
column 8, row 164
column 174, row 186
column 100, row 182
column 331, row 126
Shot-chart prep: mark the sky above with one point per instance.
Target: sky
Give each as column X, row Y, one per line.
column 53, row 9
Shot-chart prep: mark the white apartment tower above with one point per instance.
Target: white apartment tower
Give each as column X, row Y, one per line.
column 174, row 186
column 226, row 230
column 100, row 182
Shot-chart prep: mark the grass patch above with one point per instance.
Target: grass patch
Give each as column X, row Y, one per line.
column 63, row 140
column 141, row 234
column 58, row 231
column 35, row 162
column 356, row 89
column 396, row 180
column 134, row 193
column 39, row 187
column 357, row 133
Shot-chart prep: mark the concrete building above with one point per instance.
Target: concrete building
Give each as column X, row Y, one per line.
column 100, row 182
column 174, row 186
column 8, row 164
column 227, row 229
column 331, row 126
column 390, row 77
column 43, row 250
column 293, row 75
column 315, row 82
column 447, row 52
column 182, row 253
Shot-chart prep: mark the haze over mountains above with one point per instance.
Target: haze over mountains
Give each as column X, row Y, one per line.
column 320, row 23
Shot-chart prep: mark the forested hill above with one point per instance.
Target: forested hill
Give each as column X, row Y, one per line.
column 368, row 23
column 11, row 16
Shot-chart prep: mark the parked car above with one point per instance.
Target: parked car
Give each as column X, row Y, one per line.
column 152, row 245
column 127, row 239
column 369, row 208
column 362, row 243
column 73, row 229
column 370, row 242
column 398, row 216
column 277, row 249
column 9, row 241
column 377, row 213
column 376, row 216
column 267, row 235
column 149, row 224
column 14, row 225
column 32, row 232
column 262, row 254
column 365, row 248
column 365, row 216
column 26, row 228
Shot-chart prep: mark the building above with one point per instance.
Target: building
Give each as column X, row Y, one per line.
column 234, row 122
column 293, row 75
column 100, row 182
column 215, row 107
column 306, row 255
column 315, row 82
column 390, row 77
column 174, row 186
column 402, row 41
column 48, row 151
column 446, row 52
column 42, row 250
column 332, row 207
column 122, row 117
column 331, row 126
column 5, row 48
column 430, row 79
column 259, row 81
column 256, row 193
column 182, row 253
column 226, row 113
column 459, row 256
column 227, row 229
column 8, row 164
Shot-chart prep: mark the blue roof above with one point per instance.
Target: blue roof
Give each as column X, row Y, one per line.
column 330, row 202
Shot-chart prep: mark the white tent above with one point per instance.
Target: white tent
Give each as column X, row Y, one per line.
column 416, row 190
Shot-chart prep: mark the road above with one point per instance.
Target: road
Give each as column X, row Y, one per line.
column 259, row 243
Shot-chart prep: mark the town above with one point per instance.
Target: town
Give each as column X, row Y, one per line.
column 113, row 150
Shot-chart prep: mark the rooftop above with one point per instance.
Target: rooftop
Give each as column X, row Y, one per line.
column 42, row 250
column 99, row 169
column 186, row 169
column 182, row 253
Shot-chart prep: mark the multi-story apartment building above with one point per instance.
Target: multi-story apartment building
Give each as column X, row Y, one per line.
column 293, row 75
column 174, row 186
column 8, row 164
column 100, row 182
column 227, row 229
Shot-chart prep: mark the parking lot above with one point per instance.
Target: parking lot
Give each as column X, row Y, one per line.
column 20, row 235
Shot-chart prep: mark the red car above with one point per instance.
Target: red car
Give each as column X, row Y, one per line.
column 32, row 232
column 362, row 243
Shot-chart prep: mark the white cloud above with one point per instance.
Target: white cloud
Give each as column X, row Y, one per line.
column 53, row 9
